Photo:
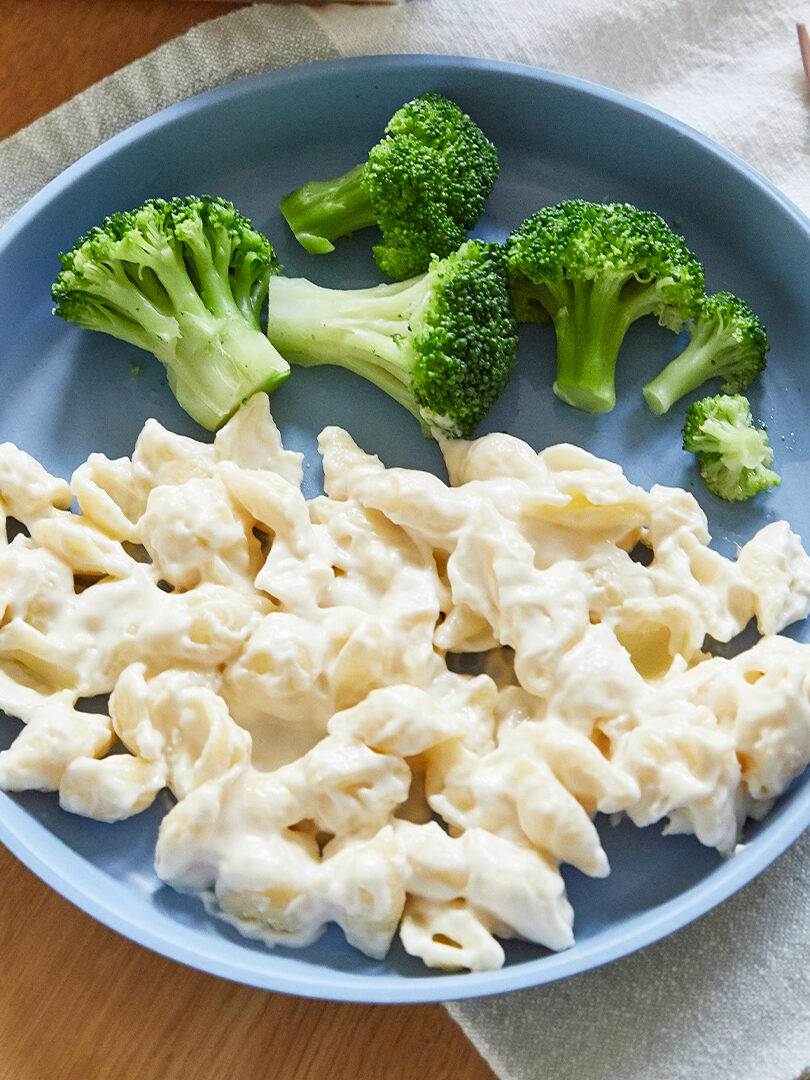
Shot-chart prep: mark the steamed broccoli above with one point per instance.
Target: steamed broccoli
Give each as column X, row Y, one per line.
column 424, row 184
column 186, row 280
column 727, row 341
column 734, row 455
column 442, row 344
column 594, row 268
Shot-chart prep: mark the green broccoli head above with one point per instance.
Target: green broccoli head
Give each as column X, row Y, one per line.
column 464, row 339
column 442, row 343
column 424, row 184
column 734, row 455
column 727, row 341
column 184, row 279
column 594, row 269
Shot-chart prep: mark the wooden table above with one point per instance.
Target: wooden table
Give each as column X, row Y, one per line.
column 78, row 1002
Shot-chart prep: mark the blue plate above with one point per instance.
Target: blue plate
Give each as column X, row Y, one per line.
column 66, row 392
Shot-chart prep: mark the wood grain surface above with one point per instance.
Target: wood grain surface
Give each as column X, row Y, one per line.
column 77, row 1001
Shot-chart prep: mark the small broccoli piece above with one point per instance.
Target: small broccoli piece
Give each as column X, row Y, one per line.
column 442, row 344
column 594, row 268
column 728, row 341
column 424, row 184
column 186, row 281
column 734, row 455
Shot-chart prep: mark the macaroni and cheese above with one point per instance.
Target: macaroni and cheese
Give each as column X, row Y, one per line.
column 400, row 705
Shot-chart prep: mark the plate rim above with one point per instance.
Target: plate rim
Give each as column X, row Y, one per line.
column 635, row 932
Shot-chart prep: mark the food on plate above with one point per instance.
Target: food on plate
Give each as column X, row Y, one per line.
column 425, row 184
column 735, row 455
column 400, row 705
column 727, row 341
column 594, row 269
column 442, row 344
column 186, row 280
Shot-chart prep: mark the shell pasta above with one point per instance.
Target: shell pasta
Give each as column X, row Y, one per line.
column 400, row 705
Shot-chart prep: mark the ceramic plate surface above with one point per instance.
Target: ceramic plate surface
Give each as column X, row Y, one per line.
column 66, row 393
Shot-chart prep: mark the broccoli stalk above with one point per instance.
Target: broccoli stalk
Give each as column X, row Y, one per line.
column 734, row 455
column 186, row 281
column 442, row 344
column 727, row 341
column 595, row 269
column 424, row 184
column 322, row 211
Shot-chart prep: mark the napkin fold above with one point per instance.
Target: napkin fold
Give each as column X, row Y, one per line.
column 728, row 997
column 725, row 998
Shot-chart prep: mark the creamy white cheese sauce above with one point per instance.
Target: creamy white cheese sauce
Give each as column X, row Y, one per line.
column 292, row 672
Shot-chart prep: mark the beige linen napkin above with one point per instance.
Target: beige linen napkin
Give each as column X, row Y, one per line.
column 727, row 998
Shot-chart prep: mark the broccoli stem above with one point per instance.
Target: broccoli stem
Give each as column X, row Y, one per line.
column 591, row 318
column 741, row 447
column 215, row 359
column 590, row 324
column 324, row 210
column 237, row 358
column 215, row 365
column 362, row 330
column 688, row 371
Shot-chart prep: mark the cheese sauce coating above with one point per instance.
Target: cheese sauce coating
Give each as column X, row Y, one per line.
column 400, row 705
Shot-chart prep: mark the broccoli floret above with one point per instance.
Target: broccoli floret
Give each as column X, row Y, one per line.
column 728, row 341
column 424, row 184
column 442, row 344
column 734, row 455
column 594, row 268
column 185, row 280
